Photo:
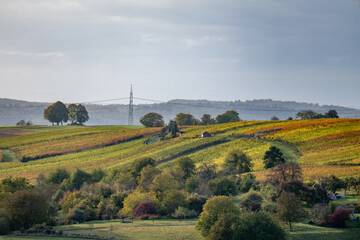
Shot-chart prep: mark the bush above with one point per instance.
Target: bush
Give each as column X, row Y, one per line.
column 196, row 202
column 258, row 226
column 339, row 217
column 76, row 215
column 222, row 186
column 181, row 213
column 214, row 208
column 269, row 207
column 320, row 213
column 251, row 201
column 147, row 207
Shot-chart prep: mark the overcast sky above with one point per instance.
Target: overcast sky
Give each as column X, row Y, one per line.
column 78, row 51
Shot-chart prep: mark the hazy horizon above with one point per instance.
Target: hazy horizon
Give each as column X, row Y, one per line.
column 80, row 51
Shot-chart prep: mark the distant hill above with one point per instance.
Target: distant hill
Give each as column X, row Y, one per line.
column 12, row 111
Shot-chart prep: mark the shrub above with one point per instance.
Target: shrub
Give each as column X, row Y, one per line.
column 320, row 213
column 173, row 199
column 269, row 207
column 147, row 207
column 251, row 201
column 181, row 213
column 246, row 182
column 223, row 227
column 196, row 202
column 258, row 226
column 339, row 217
column 214, row 208
column 77, row 215
column 222, row 186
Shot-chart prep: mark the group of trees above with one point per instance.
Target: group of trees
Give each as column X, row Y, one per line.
column 144, row 191
column 308, row 114
column 24, row 123
column 153, row 119
column 59, row 113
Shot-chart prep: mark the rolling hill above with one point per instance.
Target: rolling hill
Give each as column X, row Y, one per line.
column 323, row 146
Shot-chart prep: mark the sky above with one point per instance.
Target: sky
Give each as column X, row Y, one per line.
column 80, row 51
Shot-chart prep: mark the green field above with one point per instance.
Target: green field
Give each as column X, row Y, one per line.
column 175, row 229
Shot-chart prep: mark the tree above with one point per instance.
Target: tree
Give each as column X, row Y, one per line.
column 207, row 120
column 82, row 114
column 258, row 226
column 58, row 176
column 222, row 186
column 228, row 116
column 251, row 201
column 213, row 210
column 162, row 184
column 273, row 156
column 285, row 172
column 172, row 200
column 77, row 114
column 135, row 198
column 152, row 119
column 274, row 118
column 289, row 208
column 26, row 208
column 147, row 207
column 139, row 164
column 72, row 108
column 21, row 123
column 237, row 161
column 331, row 114
column 336, row 183
column 185, row 119
column 11, row 185
column 79, row 178
column 56, row 113
column 308, row 114
column 186, row 165
column 173, row 128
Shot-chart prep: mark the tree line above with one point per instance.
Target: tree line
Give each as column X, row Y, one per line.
column 153, row 119
column 59, row 113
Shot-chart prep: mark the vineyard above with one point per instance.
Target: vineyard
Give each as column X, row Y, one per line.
column 323, row 146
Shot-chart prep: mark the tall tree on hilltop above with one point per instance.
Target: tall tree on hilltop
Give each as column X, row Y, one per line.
column 228, row 116
column 82, row 114
column 207, row 120
column 332, row 114
column 152, row 119
column 72, row 108
column 56, row 113
column 185, row 119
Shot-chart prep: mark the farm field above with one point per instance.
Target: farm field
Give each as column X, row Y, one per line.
column 322, row 146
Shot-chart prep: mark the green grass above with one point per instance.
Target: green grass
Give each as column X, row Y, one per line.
column 308, row 232
column 159, row 229
column 175, row 230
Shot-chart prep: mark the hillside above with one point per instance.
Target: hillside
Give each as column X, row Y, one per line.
column 11, row 111
column 323, row 147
